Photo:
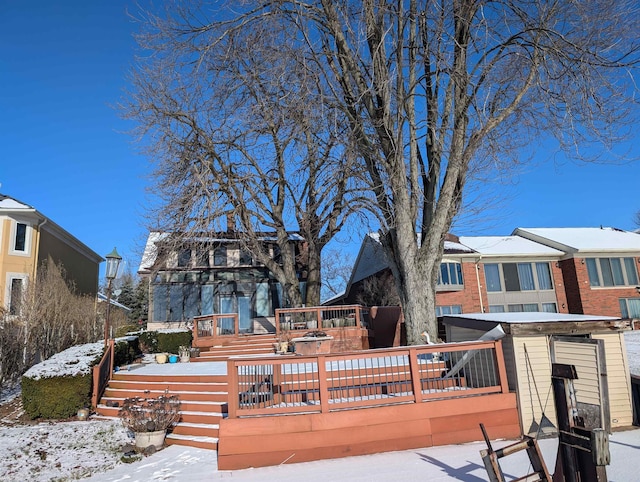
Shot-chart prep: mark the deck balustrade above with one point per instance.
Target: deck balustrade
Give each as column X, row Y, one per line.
column 321, row 318
column 293, row 384
column 102, row 373
column 208, row 330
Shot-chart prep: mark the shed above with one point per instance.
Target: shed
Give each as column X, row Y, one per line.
column 594, row 344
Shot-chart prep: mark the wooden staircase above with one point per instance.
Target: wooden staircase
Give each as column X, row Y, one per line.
column 203, row 397
column 237, row 346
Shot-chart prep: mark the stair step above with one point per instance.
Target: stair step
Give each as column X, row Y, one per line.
column 210, row 443
column 186, row 386
column 187, row 416
column 164, row 378
column 117, row 393
column 186, row 405
column 196, row 429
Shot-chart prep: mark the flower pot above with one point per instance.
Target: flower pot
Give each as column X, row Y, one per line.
column 185, row 358
column 161, row 358
column 83, row 414
column 173, row 358
column 146, row 439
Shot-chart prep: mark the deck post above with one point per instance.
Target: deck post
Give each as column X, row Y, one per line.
column 232, row 384
column 323, row 384
column 416, row 381
column 502, row 369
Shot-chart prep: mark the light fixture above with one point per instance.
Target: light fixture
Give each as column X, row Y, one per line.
column 111, row 271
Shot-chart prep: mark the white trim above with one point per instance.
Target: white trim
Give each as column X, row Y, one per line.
column 27, row 237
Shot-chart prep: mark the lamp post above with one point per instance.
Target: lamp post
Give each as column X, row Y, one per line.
column 113, row 262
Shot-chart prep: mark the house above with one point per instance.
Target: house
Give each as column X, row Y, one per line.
column 27, row 240
column 518, row 274
column 214, row 274
column 531, row 342
column 457, row 288
column 556, row 270
column 599, row 267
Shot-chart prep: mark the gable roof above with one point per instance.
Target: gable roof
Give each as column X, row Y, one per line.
column 9, row 205
column 583, row 240
column 508, row 246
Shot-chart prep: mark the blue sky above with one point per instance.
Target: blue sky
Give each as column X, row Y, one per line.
column 64, row 149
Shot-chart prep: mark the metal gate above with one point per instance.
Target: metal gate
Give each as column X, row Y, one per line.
column 591, row 389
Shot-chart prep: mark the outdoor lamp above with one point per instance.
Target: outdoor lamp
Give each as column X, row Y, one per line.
column 113, row 262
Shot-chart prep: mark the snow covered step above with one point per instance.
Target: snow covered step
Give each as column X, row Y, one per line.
column 210, row 443
column 196, row 429
column 115, row 393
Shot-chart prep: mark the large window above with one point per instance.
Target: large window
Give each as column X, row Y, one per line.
column 220, row 256
column 612, row 272
column 184, row 258
column 245, row 258
column 450, row 274
column 524, row 307
column 518, row 277
column 16, row 292
column 630, row 307
column 20, row 243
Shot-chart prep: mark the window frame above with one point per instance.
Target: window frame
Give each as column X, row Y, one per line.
column 14, row 238
column 603, row 272
column 516, row 268
column 449, row 268
column 10, row 277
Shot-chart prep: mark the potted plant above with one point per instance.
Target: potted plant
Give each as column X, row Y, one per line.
column 284, row 340
column 185, row 353
column 150, row 418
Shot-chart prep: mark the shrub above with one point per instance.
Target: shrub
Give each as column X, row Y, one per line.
column 170, row 342
column 149, row 341
column 150, row 414
column 56, row 397
column 126, row 351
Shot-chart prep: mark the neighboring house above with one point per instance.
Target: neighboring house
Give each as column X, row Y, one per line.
column 599, row 267
column 518, row 274
column 27, row 240
column 563, row 270
column 457, row 288
column 210, row 275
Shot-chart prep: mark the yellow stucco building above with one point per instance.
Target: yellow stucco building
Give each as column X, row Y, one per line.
column 27, row 240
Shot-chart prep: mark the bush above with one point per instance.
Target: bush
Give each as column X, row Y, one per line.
column 126, row 351
column 56, row 397
column 149, row 341
column 172, row 341
column 150, row 414
column 124, row 330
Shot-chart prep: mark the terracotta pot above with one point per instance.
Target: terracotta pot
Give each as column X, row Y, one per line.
column 146, row 439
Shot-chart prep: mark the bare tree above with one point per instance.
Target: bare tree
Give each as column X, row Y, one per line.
column 336, row 270
column 237, row 137
column 435, row 93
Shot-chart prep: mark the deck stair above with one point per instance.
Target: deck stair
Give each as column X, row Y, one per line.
column 203, row 402
column 238, row 346
column 203, row 397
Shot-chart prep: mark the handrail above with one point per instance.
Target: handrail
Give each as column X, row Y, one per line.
column 207, row 329
column 101, row 373
column 320, row 318
column 388, row 376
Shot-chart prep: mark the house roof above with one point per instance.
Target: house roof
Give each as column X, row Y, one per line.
column 508, row 246
column 102, row 298
column 9, row 205
column 583, row 240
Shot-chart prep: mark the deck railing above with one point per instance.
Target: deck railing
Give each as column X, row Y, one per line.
column 208, row 329
column 321, row 318
column 101, row 373
column 285, row 385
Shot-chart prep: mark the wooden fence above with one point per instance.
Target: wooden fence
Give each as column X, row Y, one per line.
column 102, row 373
column 208, row 330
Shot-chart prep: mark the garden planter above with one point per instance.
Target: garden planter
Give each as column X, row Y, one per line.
column 173, row 358
column 312, row 345
column 161, row 358
column 146, row 439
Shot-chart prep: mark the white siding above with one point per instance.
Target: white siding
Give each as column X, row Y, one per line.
column 535, row 394
column 619, row 380
column 584, row 357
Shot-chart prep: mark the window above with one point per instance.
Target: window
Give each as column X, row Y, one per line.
column 220, row 256
column 630, row 307
column 184, row 258
column 448, row 310
column 549, row 308
column 450, row 274
column 496, row 309
column 245, row 258
column 20, row 243
column 544, row 276
column 612, row 272
column 15, row 296
column 202, row 258
column 518, row 277
column 520, row 307
column 492, row 277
